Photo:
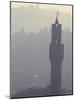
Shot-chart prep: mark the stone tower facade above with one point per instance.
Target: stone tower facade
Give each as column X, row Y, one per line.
column 56, row 55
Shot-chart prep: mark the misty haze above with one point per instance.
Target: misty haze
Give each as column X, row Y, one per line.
column 31, row 29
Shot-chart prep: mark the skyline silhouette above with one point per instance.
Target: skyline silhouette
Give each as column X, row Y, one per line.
column 41, row 58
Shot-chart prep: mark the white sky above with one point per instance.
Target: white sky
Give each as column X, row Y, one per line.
column 61, row 8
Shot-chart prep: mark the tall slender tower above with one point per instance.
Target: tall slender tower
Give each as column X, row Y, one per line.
column 56, row 55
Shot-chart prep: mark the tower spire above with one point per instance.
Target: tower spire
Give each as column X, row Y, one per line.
column 57, row 15
column 57, row 22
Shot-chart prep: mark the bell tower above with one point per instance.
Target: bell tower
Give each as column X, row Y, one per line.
column 56, row 55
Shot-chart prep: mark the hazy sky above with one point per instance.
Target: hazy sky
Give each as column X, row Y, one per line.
column 33, row 17
column 61, row 8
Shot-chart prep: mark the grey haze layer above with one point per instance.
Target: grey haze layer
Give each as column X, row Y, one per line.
column 30, row 57
column 30, row 65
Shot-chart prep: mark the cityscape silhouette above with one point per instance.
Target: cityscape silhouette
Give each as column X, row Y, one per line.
column 41, row 60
